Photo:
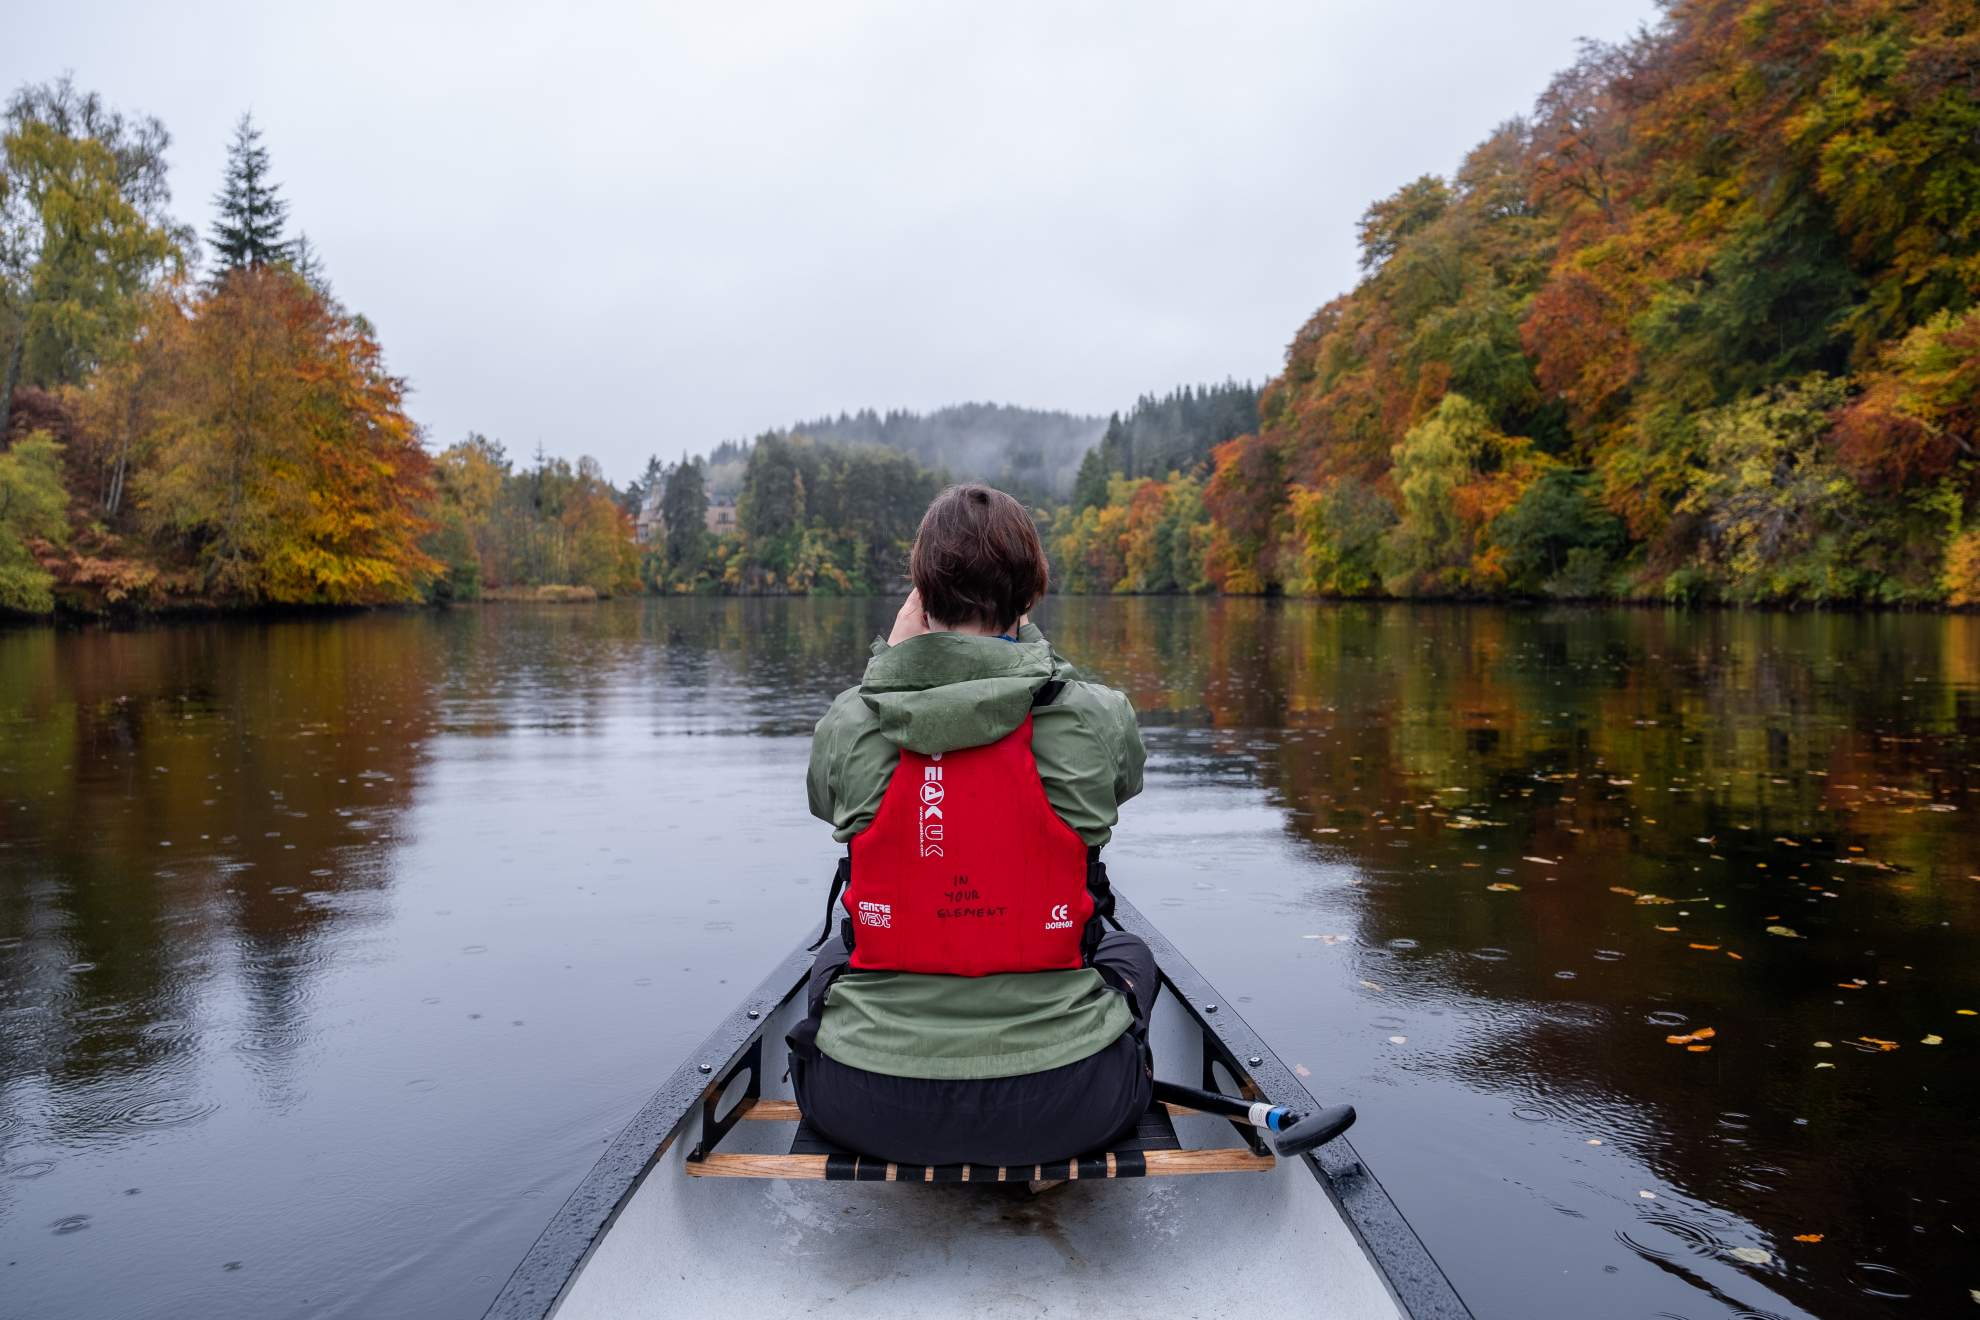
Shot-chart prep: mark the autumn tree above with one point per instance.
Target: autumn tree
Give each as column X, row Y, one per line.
column 1781, row 519
column 83, row 233
column 31, row 510
column 287, row 469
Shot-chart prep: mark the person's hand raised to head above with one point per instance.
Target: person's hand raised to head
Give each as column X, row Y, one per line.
column 911, row 621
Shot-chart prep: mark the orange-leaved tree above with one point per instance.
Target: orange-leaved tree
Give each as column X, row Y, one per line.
column 286, row 468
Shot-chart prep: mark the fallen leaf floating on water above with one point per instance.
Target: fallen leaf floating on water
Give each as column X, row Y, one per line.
column 1823, row 1045
column 1648, row 1196
column 1751, row 1255
column 1668, row 930
column 1933, row 1040
column 1618, row 889
column 1398, row 1040
column 1966, row 1012
column 1370, row 985
column 1885, row 1045
column 1735, row 957
column 1544, row 861
column 1825, row 1065
column 1697, row 1049
column 1709, row 948
column 1785, row 932
column 1807, row 1237
column 1594, row 1141
column 1648, row 900
column 1851, row 985
column 1501, row 887
column 1703, row 1033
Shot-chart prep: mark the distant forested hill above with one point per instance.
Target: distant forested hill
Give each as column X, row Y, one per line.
column 1173, row 433
column 1029, row 451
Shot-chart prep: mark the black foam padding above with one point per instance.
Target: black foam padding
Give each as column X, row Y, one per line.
column 1155, row 1130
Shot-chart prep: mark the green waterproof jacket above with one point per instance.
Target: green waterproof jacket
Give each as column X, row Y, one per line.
column 935, row 693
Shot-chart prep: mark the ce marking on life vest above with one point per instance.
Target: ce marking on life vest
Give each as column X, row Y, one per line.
column 1061, row 918
column 932, row 822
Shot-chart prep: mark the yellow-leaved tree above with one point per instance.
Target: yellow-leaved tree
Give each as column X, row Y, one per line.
column 286, row 468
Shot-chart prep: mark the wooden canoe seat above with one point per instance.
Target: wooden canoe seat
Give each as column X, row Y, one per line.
column 1152, row 1150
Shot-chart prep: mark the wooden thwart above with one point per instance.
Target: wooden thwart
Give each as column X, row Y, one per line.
column 786, row 1111
column 850, row 1168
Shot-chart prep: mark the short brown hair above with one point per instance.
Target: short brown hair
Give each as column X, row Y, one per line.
column 977, row 558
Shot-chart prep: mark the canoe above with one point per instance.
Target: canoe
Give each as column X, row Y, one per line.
column 715, row 1200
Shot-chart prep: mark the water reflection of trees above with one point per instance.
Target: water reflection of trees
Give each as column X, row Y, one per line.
column 1806, row 772
column 200, row 809
column 189, row 807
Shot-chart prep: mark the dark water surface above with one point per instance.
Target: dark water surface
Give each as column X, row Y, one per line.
column 331, row 952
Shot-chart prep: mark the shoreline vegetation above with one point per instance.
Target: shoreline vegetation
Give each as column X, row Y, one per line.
column 1703, row 328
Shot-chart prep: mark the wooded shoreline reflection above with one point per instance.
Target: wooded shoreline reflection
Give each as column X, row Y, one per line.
column 211, row 814
column 1576, row 829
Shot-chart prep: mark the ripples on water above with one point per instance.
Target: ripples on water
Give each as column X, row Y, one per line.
column 347, row 941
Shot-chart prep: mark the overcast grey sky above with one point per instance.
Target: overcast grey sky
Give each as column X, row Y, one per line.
column 621, row 229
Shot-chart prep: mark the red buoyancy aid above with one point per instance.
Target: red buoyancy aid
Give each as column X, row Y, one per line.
column 966, row 870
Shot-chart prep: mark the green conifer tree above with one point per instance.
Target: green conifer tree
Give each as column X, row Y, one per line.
column 248, row 231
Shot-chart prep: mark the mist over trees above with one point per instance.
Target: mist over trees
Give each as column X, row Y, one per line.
column 1032, row 453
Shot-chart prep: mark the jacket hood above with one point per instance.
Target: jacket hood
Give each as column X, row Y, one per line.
column 941, row 691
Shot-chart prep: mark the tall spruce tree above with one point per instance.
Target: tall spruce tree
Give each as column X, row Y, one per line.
column 248, row 232
column 684, row 507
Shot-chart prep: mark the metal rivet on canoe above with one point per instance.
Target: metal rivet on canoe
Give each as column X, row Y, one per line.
column 753, row 1015
column 1254, row 1060
column 706, row 1067
column 1209, row 1008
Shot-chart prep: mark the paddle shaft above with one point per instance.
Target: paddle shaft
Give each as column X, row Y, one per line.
column 1293, row 1133
column 1258, row 1113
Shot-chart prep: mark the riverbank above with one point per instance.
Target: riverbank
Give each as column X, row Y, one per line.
column 132, row 616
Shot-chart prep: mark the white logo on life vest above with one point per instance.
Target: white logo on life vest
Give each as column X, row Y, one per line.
column 931, row 819
column 877, row 914
column 1061, row 918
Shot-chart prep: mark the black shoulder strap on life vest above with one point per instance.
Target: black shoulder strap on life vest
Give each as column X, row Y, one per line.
column 840, row 878
column 1102, row 890
column 1048, row 693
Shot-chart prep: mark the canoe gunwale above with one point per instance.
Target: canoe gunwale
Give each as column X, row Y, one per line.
column 560, row 1252
column 1418, row 1282
column 558, row 1255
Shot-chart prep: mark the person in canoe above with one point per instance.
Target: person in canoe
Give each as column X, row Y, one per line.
column 967, row 1005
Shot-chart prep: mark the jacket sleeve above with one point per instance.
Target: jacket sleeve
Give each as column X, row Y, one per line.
column 851, row 762
column 1089, row 756
column 1132, row 754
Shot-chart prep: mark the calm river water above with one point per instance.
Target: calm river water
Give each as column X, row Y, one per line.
column 332, row 951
